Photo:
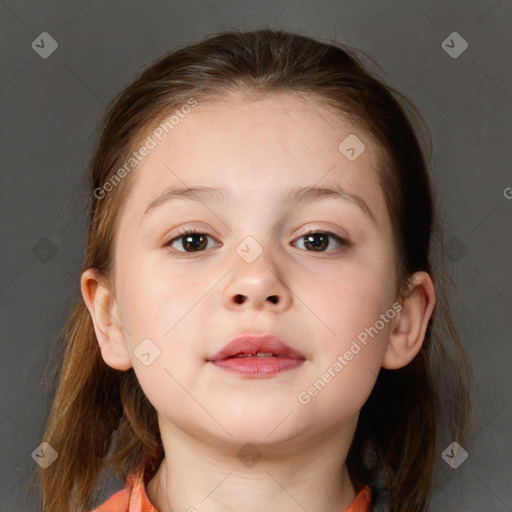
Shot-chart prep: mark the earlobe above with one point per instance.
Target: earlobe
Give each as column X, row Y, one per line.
column 408, row 334
column 101, row 303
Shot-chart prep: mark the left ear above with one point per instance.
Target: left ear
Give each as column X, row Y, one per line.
column 408, row 334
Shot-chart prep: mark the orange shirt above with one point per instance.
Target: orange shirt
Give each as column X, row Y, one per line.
column 133, row 498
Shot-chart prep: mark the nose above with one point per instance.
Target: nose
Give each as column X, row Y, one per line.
column 258, row 285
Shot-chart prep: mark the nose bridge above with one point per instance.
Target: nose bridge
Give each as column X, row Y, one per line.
column 256, row 280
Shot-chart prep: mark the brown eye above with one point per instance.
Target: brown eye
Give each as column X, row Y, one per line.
column 190, row 242
column 319, row 241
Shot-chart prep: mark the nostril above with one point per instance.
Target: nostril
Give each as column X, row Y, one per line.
column 239, row 299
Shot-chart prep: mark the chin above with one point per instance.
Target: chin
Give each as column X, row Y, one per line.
column 262, row 430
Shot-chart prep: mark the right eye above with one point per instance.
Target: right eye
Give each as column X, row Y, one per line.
column 191, row 241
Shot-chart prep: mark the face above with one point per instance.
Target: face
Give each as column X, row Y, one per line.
column 316, row 270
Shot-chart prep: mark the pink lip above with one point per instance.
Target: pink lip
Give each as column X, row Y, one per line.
column 257, row 366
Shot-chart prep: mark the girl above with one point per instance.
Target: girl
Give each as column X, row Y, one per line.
column 257, row 329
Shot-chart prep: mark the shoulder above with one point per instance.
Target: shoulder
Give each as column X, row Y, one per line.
column 362, row 501
column 118, row 502
column 132, row 498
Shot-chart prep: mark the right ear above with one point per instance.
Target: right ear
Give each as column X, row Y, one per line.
column 103, row 308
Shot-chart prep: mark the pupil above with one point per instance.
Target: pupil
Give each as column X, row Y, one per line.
column 195, row 240
column 320, row 241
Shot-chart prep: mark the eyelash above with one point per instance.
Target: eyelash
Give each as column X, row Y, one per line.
column 344, row 244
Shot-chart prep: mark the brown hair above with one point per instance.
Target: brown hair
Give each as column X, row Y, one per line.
column 100, row 417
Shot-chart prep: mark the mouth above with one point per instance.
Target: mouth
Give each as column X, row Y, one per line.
column 257, row 356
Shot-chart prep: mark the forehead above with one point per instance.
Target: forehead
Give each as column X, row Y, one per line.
column 258, row 143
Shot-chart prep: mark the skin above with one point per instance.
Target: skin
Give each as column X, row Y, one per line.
column 258, row 148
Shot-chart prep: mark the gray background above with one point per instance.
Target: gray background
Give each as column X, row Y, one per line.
column 49, row 112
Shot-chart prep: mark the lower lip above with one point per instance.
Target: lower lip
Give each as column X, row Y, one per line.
column 258, row 366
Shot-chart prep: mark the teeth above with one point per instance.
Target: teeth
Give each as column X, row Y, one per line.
column 258, row 354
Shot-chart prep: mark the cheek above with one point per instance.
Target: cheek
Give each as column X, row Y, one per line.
column 162, row 306
column 355, row 311
column 349, row 355
column 350, row 299
column 153, row 299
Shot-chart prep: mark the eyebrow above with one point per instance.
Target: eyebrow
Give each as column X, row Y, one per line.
column 307, row 193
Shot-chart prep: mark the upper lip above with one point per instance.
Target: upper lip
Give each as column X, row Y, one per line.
column 252, row 344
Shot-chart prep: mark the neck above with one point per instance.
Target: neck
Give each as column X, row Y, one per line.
column 208, row 477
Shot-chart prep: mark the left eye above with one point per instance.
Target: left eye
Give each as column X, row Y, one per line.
column 319, row 241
